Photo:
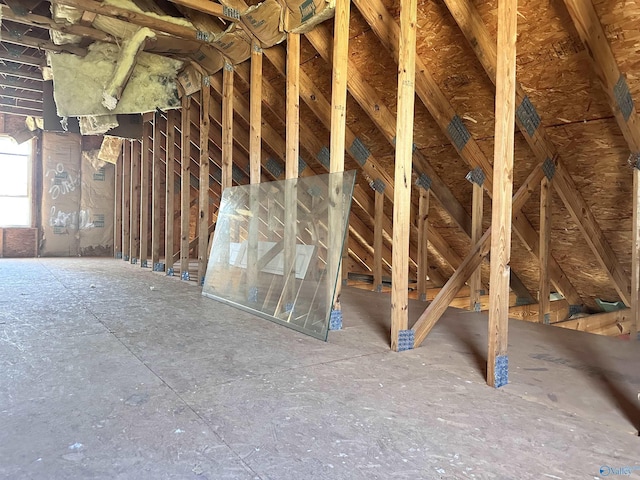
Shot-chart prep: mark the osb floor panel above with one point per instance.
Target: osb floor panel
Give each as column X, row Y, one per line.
column 103, row 376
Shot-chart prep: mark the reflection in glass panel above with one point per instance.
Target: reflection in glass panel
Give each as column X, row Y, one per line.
column 277, row 249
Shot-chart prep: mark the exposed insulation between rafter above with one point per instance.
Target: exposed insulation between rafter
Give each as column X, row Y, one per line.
column 127, row 60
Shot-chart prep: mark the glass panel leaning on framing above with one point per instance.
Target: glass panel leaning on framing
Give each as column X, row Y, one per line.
column 277, row 249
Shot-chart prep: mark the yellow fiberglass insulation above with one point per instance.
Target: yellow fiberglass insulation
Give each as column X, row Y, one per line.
column 79, row 82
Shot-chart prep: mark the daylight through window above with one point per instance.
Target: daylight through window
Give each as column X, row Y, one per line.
column 15, row 183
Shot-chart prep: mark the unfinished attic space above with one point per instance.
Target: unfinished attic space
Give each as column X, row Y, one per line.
column 319, row 239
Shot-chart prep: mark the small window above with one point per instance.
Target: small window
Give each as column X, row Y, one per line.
column 15, row 183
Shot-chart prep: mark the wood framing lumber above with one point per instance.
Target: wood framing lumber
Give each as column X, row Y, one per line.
column 48, row 23
column 558, row 311
column 311, row 142
column 593, row 235
column 140, row 19
column 227, row 125
column 635, row 258
column 337, row 139
column 377, row 241
column 544, row 289
column 501, row 211
column 22, row 112
column 436, row 308
column 185, row 191
column 609, row 323
column 21, row 95
column 255, row 112
column 403, row 162
column 29, row 86
column 23, row 104
column 126, row 199
column 19, row 73
column 292, row 123
column 472, row 26
column 203, row 214
column 145, row 183
column 482, row 301
column 40, row 44
column 23, row 59
column 135, row 201
column 211, row 8
column 622, row 105
column 170, row 153
column 156, row 192
column 117, row 211
column 434, row 311
column 475, row 282
column 292, row 85
column 373, row 105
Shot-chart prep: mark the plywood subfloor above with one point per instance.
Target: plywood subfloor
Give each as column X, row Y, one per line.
column 110, row 371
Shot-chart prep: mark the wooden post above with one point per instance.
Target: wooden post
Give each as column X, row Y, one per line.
column 378, row 218
column 291, row 166
column 615, row 85
column 135, row 201
column 544, row 290
column 423, row 228
column 170, row 182
column 203, row 216
column 497, row 367
column 635, row 259
column 185, row 186
column 227, row 126
column 117, row 213
column 255, row 148
column 336, row 158
column 402, row 194
column 255, row 122
column 126, row 199
column 145, row 164
column 156, row 218
column 475, row 281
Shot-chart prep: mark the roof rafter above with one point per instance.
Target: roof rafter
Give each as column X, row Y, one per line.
column 40, row 44
column 472, row 26
column 21, row 84
column 23, row 59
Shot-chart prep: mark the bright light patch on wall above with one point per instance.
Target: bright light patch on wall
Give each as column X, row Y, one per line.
column 15, row 179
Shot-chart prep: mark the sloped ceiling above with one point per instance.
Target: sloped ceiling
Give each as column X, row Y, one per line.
column 553, row 67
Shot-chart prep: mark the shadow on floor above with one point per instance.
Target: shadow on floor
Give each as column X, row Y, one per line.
column 471, row 342
column 605, row 377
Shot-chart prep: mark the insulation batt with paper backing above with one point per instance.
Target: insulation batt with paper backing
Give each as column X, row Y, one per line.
column 79, row 82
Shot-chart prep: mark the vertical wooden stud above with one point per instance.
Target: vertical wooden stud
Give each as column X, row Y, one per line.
column 402, row 192
column 156, row 194
column 378, row 219
column 170, row 182
column 145, row 164
column 635, row 259
column 544, row 289
column 475, row 281
column 423, row 242
column 337, row 150
column 497, row 368
column 203, row 215
column 126, row 200
column 117, row 213
column 227, row 126
column 255, row 148
column 255, row 113
column 185, row 186
column 291, row 166
column 135, row 200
